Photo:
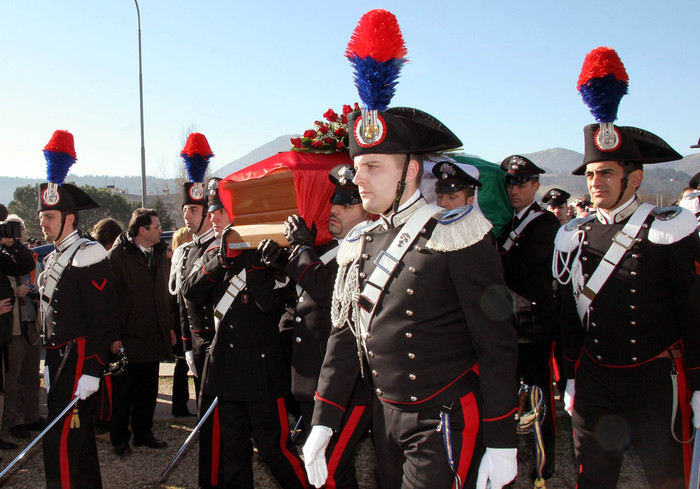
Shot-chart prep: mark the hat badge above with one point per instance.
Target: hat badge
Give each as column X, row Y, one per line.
column 607, row 137
column 555, row 193
column 447, row 170
column 50, row 196
column 370, row 129
column 197, row 191
column 346, row 174
column 213, row 187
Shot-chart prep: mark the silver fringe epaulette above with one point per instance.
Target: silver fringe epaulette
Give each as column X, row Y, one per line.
column 352, row 244
column 671, row 224
column 457, row 229
column 88, row 254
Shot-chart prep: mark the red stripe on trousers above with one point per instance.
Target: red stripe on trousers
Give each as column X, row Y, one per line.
column 295, row 462
column 215, row 447
column 343, row 440
column 64, row 462
column 471, row 418
column 685, row 414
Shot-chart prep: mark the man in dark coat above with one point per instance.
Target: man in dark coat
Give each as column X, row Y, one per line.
column 141, row 272
column 421, row 297
column 630, row 332
column 526, row 249
column 312, row 269
column 245, row 367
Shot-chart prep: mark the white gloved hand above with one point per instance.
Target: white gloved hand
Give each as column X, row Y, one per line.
column 87, row 386
column 315, row 454
column 498, row 466
column 695, row 404
column 189, row 358
column 569, row 396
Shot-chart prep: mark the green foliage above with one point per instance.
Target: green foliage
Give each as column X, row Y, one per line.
column 166, row 219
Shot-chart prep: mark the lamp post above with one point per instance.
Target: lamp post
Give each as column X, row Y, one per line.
column 143, row 147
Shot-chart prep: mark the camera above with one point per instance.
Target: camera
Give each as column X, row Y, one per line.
column 10, row 229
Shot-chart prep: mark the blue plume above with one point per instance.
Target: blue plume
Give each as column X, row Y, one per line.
column 376, row 81
column 196, row 167
column 57, row 165
column 603, row 95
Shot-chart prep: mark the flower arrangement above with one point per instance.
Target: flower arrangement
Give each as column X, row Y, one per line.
column 327, row 136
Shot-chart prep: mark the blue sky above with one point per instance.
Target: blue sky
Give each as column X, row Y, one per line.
column 502, row 75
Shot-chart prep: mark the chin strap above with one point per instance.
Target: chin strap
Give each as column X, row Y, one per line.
column 401, row 186
column 624, row 181
column 201, row 222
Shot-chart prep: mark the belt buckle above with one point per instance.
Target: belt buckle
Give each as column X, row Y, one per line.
column 624, row 240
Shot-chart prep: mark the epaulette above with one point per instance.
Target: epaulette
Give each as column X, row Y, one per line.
column 671, row 224
column 214, row 245
column 575, row 223
column 568, row 237
column 88, row 254
column 457, row 229
column 352, row 244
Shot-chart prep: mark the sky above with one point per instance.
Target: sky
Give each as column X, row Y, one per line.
column 501, row 74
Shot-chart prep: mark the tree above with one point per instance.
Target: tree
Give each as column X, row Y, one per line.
column 25, row 203
column 164, row 214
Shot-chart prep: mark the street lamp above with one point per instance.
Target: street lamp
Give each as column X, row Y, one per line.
column 143, row 147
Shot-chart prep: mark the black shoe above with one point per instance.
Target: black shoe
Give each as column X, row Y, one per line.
column 123, row 449
column 182, row 413
column 151, row 443
column 7, row 445
column 18, row 431
column 37, row 425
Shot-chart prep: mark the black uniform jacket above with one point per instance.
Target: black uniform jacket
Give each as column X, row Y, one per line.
column 442, row 329
column 145, row 307
column 195, row 318
column 15, row 261
column 311, row 322
column 246, row 360
column 528, row 270
column 83, row 305
column 649, row 303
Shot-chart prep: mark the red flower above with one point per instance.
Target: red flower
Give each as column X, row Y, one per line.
column 346, row 109
column 341, row 132
column 310, row 133
column 344, row 119
column 323, row 129
column 296, row 142
column 356, row 107
column 330, row 115
column 316, row 144
column 328, row 140
column 339, row 145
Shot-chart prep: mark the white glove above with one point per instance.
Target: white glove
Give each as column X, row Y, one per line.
column 189, row 358
column 87, row 386
column 569, row 396
column 695, row 404
column 499, row 466
column 315, row 454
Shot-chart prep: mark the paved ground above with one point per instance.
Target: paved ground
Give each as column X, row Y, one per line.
column 143, row 468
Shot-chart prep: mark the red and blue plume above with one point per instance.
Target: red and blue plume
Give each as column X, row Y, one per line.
column 196, row 154
column 377, row 52
column 60, row 156
column 602, row 83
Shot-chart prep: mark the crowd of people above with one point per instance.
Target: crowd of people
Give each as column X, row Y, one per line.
column 414, row 320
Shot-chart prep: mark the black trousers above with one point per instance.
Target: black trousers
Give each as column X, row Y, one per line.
column 181, row 387
column 411, row 453
column 134, row 397
column 340, row 454
column 535, row 368
column 616, row 407
column 70, row 453
column 226, row 448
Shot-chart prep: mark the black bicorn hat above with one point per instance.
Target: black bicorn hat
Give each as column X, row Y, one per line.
column 451, row 178
column 556, row 197
column 213, row 197
column 694, row 182
column 520, row 170
column 635, row 146
column 346, row 192
column 695, row 146
column 400, row 130
column 55, row 195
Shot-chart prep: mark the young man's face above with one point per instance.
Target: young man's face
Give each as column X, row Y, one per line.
column 604, row 180
column 50, row 223
column 561, row 211
column 522, row 195
column 219, row 220
column 377, row 176
column 455, row 199
column 343, row 218
column 192, row 214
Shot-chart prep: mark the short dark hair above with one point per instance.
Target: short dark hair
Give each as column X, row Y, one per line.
column 3, row 212
column 141, row 217
column 106, row 231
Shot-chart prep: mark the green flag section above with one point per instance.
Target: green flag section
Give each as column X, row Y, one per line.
column 491, row 197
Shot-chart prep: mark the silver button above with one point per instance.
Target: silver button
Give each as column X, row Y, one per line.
column 409, row 335
column 409, row 313
column 368, row 238
column 414, row 398
column 595, row 340
column 598, row 357
column 230, row 345
column 297, row 339
column 633, row 341
column 635, row 256
column 297, row 319
column 633, row 307
column 585, row 243
column 375, row 373
column 634, row 359
column 412, row 269
column 363, row 274
column 412, row 376
column 379, row 392
column 422, row 231
column 634, row 291
column 584, row 258
column 419, row 248
column 594, row 324
column 410, row 291
column 633, row 273
column 301, row 300
column 588, row 228
column 262, row 355
column 411, row 356
column 365, row 256
column 645, row 225
column 371, row 354
column 633, row 323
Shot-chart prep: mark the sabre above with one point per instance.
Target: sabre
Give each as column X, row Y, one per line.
column 695, row 467
column 50, row 425
column 166, row 473
column 293, row 434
